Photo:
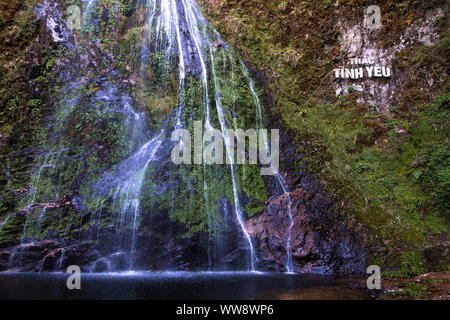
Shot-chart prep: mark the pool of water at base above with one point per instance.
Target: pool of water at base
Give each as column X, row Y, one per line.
column 178, row 286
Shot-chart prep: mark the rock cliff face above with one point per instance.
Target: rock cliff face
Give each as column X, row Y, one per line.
column 357, row 41
column 321, row 242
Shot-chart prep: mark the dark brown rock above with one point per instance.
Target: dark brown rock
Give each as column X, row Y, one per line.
column 437, row 257
column 50, row 261
column 320, row 241
column 4, row 258
column 27, row 257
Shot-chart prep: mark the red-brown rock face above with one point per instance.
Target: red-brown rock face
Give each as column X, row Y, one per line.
column 320, row 242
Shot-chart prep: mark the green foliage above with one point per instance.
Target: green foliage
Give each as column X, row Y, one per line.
column 408, row 265
column 436, row 154
column 11, row 230
column 125, row 6
column 415, row 290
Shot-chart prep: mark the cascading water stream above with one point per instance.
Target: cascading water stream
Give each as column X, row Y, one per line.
column 237, row 205
column 194, row 24
column 279, row 178
column 181, row 66
column 193, row 27
column 168, row 31
column 128, row 179
column 47, row 163
column 193, row 21
column 108, row 95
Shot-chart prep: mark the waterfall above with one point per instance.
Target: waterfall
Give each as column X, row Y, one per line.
column 127, row 195
column 126, row 201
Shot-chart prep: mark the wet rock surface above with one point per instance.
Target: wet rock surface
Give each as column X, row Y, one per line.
column 46, row 256
column 437, row 257
column 320, row 241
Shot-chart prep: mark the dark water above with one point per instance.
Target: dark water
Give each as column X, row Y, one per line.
column 175, row 286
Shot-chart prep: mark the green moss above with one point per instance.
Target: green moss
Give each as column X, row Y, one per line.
column 11, row 231
column 125, row 6
column 415, row 290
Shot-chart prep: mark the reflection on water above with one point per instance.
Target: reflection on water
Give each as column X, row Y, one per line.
column 177, row 286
